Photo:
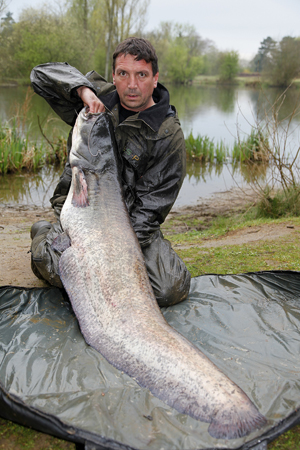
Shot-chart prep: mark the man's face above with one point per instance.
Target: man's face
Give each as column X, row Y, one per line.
column 134, row 82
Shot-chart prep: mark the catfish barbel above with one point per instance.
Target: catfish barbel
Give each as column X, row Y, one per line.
column 103, row 271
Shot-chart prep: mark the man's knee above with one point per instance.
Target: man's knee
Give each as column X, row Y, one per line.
column 168, row 274
column 44, row 260
column 173, row 293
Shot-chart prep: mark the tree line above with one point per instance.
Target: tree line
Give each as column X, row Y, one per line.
column 85, row 32
column 278, row 61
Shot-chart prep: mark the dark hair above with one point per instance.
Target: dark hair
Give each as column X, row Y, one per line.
column 140, row 48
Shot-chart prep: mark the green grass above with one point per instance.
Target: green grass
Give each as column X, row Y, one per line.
column 254, row 147
column 280, row 254
column 251, row 257
column 16, row 437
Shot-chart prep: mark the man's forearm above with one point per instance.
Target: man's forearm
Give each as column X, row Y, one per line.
column 57, row 83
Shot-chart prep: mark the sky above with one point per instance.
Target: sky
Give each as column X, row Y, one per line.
column 231, row 24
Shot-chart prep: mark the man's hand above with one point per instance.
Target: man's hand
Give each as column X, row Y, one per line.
column 90, row 99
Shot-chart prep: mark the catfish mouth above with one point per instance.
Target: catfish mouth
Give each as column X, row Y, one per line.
column 93, row 143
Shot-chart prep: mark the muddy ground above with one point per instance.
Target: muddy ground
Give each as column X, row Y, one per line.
column 15, row 223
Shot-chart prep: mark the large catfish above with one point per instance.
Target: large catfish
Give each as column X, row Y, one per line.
column 104, row 274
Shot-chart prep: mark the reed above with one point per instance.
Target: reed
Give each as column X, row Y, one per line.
column 17, row 152
column 253, row 148
column 203, row 149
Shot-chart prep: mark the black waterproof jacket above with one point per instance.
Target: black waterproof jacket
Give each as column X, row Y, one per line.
column 150, row 143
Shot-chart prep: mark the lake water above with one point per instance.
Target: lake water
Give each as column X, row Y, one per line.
column 221, row 113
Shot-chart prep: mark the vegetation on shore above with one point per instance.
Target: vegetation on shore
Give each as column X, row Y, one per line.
column 252, row 148
column 18, row 152
column 85, row 34
column 17, row 149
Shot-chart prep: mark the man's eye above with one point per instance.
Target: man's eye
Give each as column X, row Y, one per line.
column 122, row 74
column 142, row 74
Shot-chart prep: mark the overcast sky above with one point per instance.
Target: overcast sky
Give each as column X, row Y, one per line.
column 231, row 24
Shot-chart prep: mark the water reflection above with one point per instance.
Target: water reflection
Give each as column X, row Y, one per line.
column 202, row 180
column 11, row 100
column 29, row 189
column 250, row 172
column 200, row 171
column 285, row 102
column 216, row 111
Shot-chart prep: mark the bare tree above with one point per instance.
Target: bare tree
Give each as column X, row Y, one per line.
column 122, row 17
column 80, row 10
column 3, row 6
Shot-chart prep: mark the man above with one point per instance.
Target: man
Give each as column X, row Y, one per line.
column 152, row 152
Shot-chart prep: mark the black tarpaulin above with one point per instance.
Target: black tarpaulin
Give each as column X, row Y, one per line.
column 51, row 380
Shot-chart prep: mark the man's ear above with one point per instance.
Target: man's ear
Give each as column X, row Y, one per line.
column 113, row 75
column 155, row 79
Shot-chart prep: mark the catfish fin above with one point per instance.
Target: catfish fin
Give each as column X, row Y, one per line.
column 61, row 242
column 235, row 424
column 80, row 193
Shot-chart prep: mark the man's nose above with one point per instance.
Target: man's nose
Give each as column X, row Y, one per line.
column 132, row 82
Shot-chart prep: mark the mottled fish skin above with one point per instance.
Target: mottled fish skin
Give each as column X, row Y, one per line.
column 104, row 274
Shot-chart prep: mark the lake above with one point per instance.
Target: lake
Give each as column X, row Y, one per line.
column 221, row 113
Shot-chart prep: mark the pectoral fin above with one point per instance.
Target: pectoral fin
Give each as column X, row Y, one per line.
column 80, row 193
column 61, row 242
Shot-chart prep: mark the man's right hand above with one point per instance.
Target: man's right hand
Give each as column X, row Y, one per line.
column 90, row 99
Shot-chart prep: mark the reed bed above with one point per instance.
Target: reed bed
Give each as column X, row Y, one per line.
column 17, row 149
column 252, row 148
column 19, row 153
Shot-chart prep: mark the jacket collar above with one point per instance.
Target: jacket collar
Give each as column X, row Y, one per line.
column 153, row 116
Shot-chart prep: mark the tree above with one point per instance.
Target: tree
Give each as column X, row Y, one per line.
column 283, row 64
column 7, row 21
column 80, row 9
column 229, row 66
column 40, row 37
column 121, row 18
column 3, row 6
column 264, row 53
column 179, row 49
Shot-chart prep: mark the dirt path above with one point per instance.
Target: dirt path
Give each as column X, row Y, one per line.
column 15, row 224
column 224, row 204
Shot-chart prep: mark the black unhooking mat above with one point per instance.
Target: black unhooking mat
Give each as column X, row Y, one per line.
column 51, row 380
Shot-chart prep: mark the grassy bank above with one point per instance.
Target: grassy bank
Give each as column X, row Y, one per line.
column 244, row 80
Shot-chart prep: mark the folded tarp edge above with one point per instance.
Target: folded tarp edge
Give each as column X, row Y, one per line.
column 12, row 408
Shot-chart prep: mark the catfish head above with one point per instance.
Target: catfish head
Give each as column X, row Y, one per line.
column 93, row 142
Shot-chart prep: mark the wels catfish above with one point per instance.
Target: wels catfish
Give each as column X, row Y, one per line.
column 104, row 274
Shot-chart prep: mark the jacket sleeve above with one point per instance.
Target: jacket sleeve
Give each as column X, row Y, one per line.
column 57, row 84
column 158, row 188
